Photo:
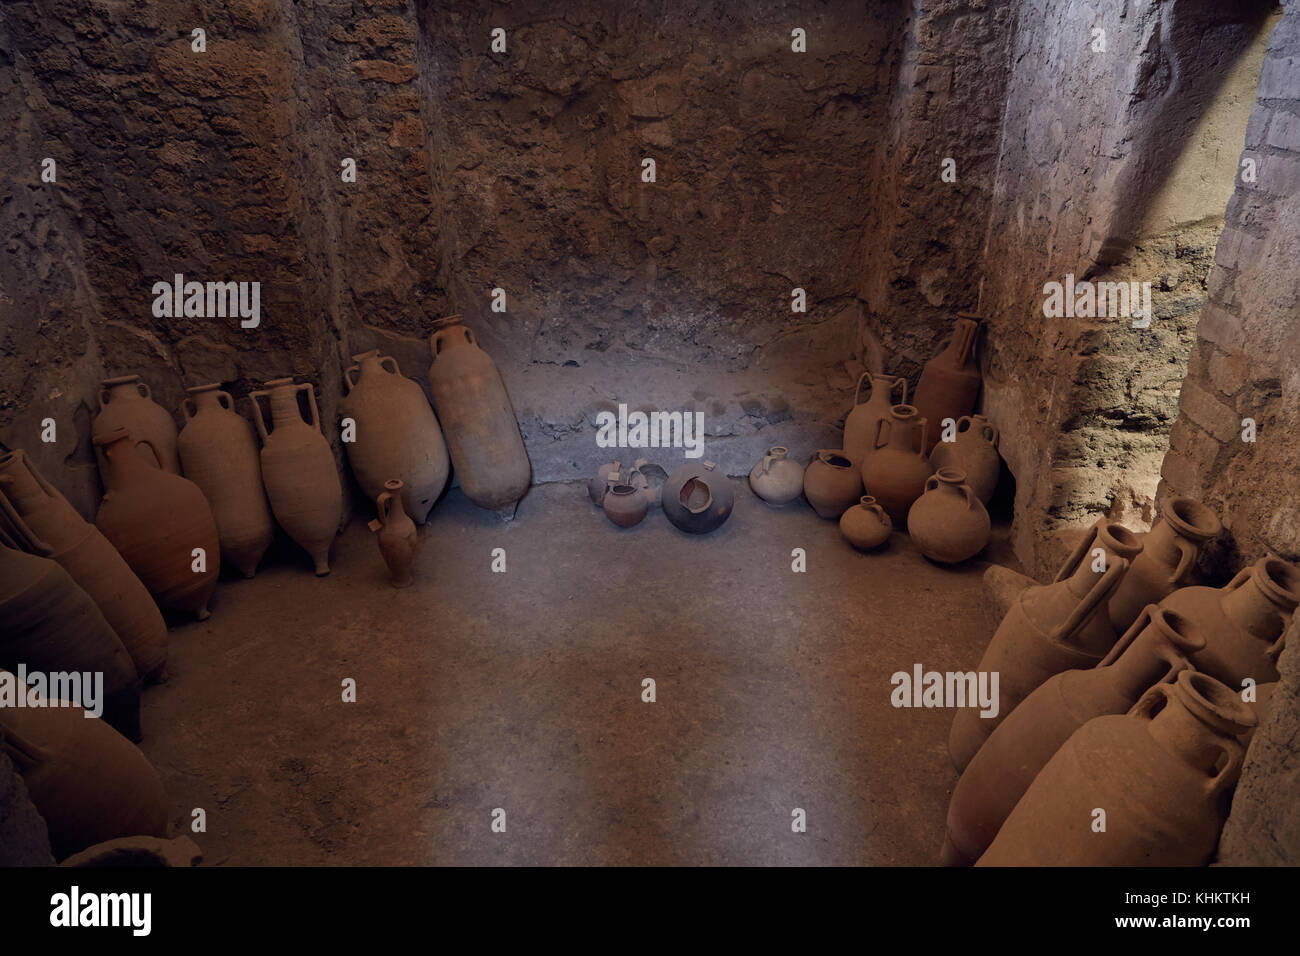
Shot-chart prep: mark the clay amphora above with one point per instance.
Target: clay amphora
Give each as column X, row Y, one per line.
column 831, row 483
column 777, row 478
column 298, row 470
column 608, row 474
column 650, row 478
column 41, row 514
column 482, row 432
column 126, row 402
column 1169, row 552
column 1245, row 620
column 626, row 505
column 1163, row 772
column 1153, row 651
column 697, row 498
column 863, row 420
column 219, row 454
column 157, row 520
column 397, row 434
column 1052, row 628
column 950, row 382
column 973, row 450
column 49, row 624
column 895, row 473
column 866, row 525
column 397, row 535
column 89, row 782
column 948, row 523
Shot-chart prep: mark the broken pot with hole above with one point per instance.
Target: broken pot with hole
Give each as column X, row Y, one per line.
column 698, row 498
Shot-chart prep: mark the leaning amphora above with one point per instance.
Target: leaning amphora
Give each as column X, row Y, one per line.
column 896, row 471
column 45, row 523
column 1049, row 629
column 948, row 523
column 950, row 382
column 397, row 534
column 1168, row 558
column 397, row 435
column 478, row 420
column 126, row 402
column 973, row 450
column 1163, row 775
column 831, row 483
column 162, row 526
column 1154, row 651
column 864, row 419
column 298, row 470
column 219, row 454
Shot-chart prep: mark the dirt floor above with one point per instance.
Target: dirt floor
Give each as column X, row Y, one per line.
column 523, row 691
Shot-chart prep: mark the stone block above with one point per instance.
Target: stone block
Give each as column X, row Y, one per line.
column 1203, row 408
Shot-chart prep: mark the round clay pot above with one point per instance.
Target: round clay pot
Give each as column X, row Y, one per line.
column 973, row 450
column 481, row 429
column 397, row 434
column 157, row 520
column 126, row 402
column 650, row 478
column 606, row 475
column 298, row 470
column 219, row 454
column 866, row 525
column 1163, row 773
column 397, row 535
column 950, row 382
column 626, row 505
column 777, row 478
column 831, row 483
column 697, row 498
column 948, row 523
column 895, row 473
column 863, row 420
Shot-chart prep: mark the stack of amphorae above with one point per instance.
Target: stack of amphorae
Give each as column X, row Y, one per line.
column 87, row 598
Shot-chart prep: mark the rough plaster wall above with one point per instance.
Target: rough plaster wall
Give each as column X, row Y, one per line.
column 1089, row 140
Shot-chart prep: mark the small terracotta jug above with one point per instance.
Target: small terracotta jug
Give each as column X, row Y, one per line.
column 895, row 473
column 1163, row 773
column 866, row 525
column 777, row 478
column 1049, row 629
column 625, row 505
column 159, row 522
column 45, row 523
column 1245, row 620
column 126, row 402
column 1155, row 650
column 697, row 497
column 397, row 434
column 863, row 420
column 298, row 470
column 831, row 483
column 397, row 536
column 948, row 523
column 650, row 478
column 950, row 382
column 974, row 450
column 1169, row 552
column 607, row 474
column 219, row 454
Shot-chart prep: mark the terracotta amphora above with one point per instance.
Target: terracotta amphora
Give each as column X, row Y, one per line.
column 158, row 522
column 397, row 535
column 1169, row 552
column 1050, row 628
column 626, row 505
column 698, row 498
column 895, row 473
column 777, row 478
column 1246, row 620
column 396, row 435
column 126, row 402
column 866, row 525
column 1154, row 650
column 89, row 782
column 950, row 382
column 219, row 454
column 831, row 483
column 948, row 523
column 1163, row 774
column 864, row 419
column 482, row 432
column 48, row 624
column 974, row 450
column 298, row 469
column 45, row 523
